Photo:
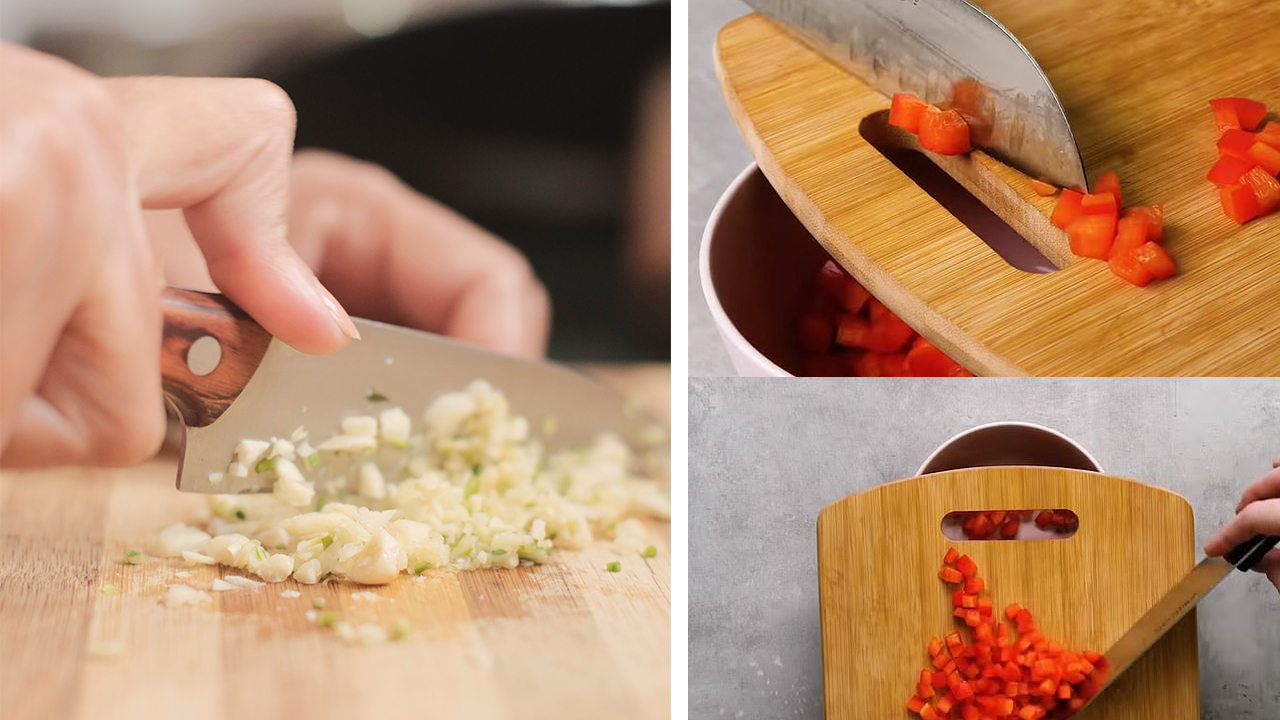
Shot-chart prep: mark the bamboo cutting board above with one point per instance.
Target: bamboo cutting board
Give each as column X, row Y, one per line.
column 1135, row 78
column 563, row 640
column 879, row 553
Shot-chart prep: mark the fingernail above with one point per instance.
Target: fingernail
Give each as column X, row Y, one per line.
column 339, row 315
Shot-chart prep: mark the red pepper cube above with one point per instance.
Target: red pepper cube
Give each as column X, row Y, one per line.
column 951, row 556
column 890, row 334
column 1009, row 530
column 1156, row 260
column 905, row 112
column 1100, row 203
column 1236, row 143
column 966, row 566
column 1068, row 208
column 1237, row 113
column 1126, row 266
column 951, row 576
column 1228, row 169
column 962, row 691
column 1266, row 189
column 1270, row 134
column 1131, row 232
column 915, row 704
column 852, row 332
column 1109, row 182
column 1155, row 229
column 975, row 585
column 1093, row 235
column 944, row 132
column 1239, row 203
column 1265, row 157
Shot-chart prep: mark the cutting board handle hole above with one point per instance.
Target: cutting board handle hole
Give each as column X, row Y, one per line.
column 1052, row 524
column 896, row 146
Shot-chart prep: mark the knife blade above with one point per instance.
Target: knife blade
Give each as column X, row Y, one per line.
column 927, row 47
column 1178, row 602
column 409, row 368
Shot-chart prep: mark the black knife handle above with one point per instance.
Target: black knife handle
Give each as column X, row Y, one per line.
column 1248, row 554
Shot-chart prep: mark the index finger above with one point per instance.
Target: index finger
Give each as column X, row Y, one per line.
column 1268, row 486
column 1258, row 518
column 221, row 149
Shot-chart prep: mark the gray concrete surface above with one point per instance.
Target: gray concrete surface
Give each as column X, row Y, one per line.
column 716, row 156
column 766, row 455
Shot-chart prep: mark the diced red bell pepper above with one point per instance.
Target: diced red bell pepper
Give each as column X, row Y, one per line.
column 1266, row 189
column 824, row 365
column 877, row 364
column 1270, row 134
column 852, row 296
column 944, row 132
column 926, row 360
column 966, row 566
column 905, row 112
column 1265, row 157
column 951, row 575
column 1239, row 203
column 1228, row 169
column 1237, row 113
column 852, row 331
column 1126, row 266
column 1109, row 182
column 1236, row 143
column 1092, row 236
column 889, row 334
column 951, row 556
column 877, row 310
column 1156, row 260
column 1043, row 189
column 1100, row 204
column 1154, row 214
column 831, row 279
column 1131, row 232
column 1068, row 208
column 817, row 333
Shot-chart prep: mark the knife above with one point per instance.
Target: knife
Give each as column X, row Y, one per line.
column 227, row 379
column 938, row 49
column 1179, row 601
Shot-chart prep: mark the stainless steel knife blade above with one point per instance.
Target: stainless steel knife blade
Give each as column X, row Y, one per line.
column 410, row 369
column 927, row 46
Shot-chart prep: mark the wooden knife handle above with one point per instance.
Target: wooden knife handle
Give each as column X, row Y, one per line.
column 203, row 383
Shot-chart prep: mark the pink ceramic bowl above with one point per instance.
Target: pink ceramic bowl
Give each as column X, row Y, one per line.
column 757, row 265
column 1009, row 443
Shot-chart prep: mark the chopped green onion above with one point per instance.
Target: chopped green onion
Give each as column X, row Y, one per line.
column 473, row 486
column 326, row 541
column 239, row 514
column 498, row 552
column 319, row 502
column 376, row 396
column 421, row 567
column 329, row 619
column 475, row 469
column 265, row 465
column 281, row 546
column 552, row 536
column 400, row 445
column 133, row 557
column 313, row 459
column 651, row 551
column 614, row 566
column 400, row 629
column 262, row 554
column 110, row 590
column 610, row 526
column 319, row 603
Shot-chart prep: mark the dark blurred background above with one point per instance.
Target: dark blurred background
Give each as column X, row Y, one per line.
column 535, row 120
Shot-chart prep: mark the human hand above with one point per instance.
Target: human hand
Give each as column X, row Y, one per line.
column 80, row 284
column 391, row 254
column 1257, row 514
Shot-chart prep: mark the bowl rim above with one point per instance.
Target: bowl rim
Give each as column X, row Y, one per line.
column 728, row 330
column 924, row 466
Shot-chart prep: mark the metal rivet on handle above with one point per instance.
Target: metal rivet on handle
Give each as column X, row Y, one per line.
column 204, row 355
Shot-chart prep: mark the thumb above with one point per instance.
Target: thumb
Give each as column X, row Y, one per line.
column 221, row 150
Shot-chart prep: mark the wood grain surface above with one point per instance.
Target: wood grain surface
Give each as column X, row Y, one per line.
column 1135, row 79
column 563, row 640
column 879, row 553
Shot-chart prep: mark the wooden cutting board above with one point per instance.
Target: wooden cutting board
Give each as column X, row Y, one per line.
column 879, row 553
column 563, row 640
column 1135, row 78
